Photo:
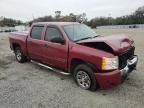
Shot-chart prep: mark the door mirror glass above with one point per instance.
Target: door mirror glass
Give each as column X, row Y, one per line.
column 58, row 40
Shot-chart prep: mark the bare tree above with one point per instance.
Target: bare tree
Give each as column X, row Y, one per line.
column 57, row 14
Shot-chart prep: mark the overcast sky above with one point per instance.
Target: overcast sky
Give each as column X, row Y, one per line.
column 25, row 9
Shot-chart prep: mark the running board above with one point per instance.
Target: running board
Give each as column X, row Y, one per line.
column 50, row 68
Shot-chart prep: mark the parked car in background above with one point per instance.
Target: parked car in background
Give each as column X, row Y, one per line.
column 20, row 28
column 7, row 29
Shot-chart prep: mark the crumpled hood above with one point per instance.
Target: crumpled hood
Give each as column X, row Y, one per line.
column 118, row 43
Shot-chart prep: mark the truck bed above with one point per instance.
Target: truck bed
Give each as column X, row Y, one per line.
column 18, row 38
column 21, row 33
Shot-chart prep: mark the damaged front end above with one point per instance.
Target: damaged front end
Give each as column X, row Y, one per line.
column 99, row 45
column 121, row 47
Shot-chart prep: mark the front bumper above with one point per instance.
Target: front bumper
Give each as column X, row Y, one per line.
column 114, row 78
column 131, row 65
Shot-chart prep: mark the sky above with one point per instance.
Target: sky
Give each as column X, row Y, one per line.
column 25, row 10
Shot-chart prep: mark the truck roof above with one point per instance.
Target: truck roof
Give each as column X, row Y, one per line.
column 55, row 23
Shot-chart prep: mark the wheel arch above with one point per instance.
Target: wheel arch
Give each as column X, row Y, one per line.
column 14, row 45
column 76, row 61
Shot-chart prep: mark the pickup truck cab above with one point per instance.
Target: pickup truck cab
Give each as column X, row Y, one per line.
column 94, row 61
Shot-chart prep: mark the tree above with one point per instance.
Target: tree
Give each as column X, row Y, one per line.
column 136, row 18
column 139, row 11
column 41, row 19
column 67, row 18
column 57, row 15
column 10, row 22
column 73, row 16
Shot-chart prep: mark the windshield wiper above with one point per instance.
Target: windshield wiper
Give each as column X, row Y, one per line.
column 96, row 36
column 87, row 38
column 83, row 39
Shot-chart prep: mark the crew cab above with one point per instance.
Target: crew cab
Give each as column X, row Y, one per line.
column 73, row 48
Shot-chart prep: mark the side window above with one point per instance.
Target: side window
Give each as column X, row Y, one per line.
column 37, row 32
column 51, row 33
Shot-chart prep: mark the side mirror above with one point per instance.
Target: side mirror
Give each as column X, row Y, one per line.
column 58, row 40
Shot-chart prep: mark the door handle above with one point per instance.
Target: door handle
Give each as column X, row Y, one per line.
column 30, row 42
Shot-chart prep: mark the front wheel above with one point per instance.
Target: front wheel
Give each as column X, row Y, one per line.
column 85, row 77
column 20, row 57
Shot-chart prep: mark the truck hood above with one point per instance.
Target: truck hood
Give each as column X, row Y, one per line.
column 118, row 43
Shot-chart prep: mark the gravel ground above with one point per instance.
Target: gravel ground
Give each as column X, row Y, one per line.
column 30, row 86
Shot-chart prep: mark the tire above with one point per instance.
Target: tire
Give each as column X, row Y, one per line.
column 85, row 77
column 20, row 57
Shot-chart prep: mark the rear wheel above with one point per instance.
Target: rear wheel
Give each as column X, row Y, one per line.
column 85, row 77
column 20, row 57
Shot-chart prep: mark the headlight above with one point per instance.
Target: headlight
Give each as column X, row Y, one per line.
column 109, row 63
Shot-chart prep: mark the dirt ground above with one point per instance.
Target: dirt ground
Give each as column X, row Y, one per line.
column 30, row 86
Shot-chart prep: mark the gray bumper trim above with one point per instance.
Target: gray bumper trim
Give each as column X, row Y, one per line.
column 130, row 64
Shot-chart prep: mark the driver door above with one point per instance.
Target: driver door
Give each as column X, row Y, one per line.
column 56, row 54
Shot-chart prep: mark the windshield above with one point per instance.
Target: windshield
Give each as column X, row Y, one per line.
column 79, row 32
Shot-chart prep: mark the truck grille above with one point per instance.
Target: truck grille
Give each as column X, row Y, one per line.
column 125, row 56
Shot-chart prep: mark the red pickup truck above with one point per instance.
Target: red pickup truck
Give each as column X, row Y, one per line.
column 69, row 47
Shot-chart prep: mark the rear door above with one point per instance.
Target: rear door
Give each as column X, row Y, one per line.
column 55, row 54
column 34, row 42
